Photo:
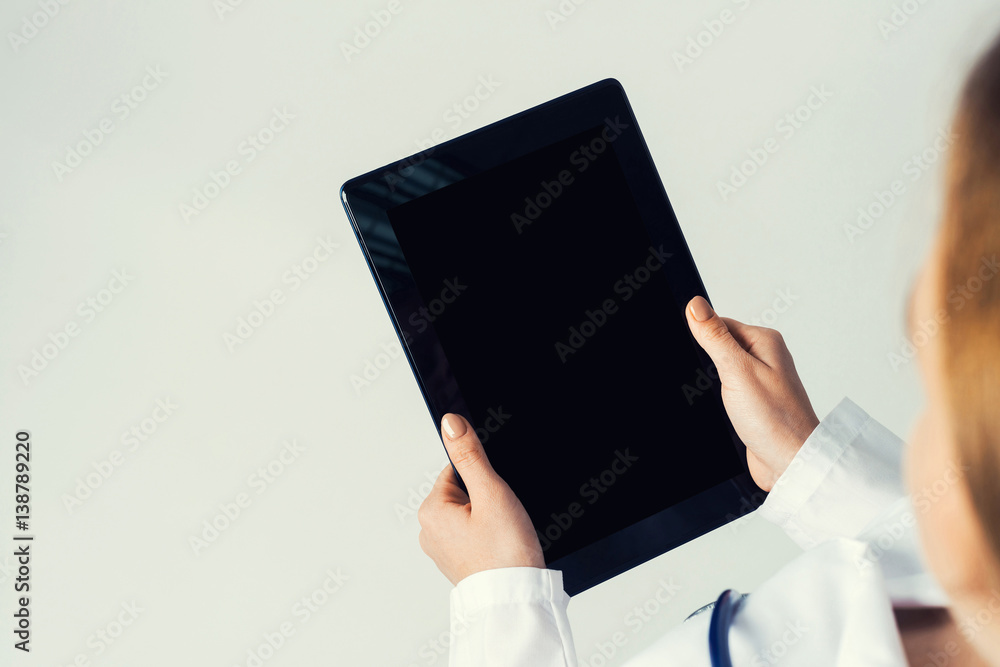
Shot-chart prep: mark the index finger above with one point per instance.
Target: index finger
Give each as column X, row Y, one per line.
column 745, row 334
column 446, row 488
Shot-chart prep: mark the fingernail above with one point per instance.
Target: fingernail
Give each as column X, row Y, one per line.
column 454, row 426
column 700, row 309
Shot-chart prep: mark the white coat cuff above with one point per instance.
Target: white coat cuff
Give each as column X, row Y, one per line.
column 511, row 616
column 509, row 585
column 834, row 455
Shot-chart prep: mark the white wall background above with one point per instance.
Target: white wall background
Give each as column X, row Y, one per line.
column 62, row 235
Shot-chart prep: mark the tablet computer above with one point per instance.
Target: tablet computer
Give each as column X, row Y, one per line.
column 537, row 277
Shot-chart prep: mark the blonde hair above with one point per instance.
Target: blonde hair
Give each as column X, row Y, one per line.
column 970, row 292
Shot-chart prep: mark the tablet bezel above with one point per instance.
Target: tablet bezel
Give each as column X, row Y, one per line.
column 368, row 197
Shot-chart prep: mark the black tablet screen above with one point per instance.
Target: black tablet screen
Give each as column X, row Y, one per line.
column 558, row 323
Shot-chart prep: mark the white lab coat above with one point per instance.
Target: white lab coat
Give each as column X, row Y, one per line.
column 841, row 499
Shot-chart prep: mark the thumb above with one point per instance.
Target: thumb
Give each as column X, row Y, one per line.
column 712, row 334
column 466, row 453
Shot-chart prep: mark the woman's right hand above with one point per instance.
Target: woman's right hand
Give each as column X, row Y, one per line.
column 761, row 389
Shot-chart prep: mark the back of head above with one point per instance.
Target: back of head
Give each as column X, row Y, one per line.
column 970, row 293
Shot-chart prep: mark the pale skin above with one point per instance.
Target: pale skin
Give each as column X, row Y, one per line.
column 952, row 538
column 770, row 410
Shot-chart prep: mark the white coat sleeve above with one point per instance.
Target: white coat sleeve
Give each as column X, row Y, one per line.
column 846, row 481
column 511, row 616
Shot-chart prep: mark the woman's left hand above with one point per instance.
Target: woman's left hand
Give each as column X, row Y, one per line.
column 485, row 529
